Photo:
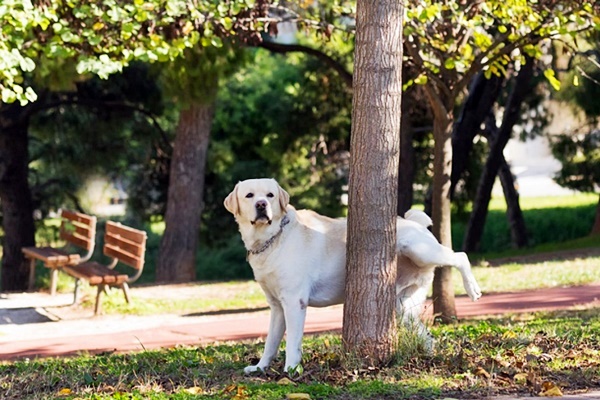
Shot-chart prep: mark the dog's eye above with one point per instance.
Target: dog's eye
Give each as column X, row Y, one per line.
column 250, row 195
column 270, row 194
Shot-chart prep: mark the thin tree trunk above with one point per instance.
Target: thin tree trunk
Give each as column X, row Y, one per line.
column 482, row 96
column 516, row 221
column 477, row 219
column 406, row 167
column 177, row 257
column 443, row 290
column 15, row 196
column 369, row 329
column 596, row 227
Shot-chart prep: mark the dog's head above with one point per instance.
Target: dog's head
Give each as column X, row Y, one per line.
column 258, row 201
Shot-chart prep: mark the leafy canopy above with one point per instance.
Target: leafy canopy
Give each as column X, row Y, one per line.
column 448, row 42
column 451, row 41
column 49, row 39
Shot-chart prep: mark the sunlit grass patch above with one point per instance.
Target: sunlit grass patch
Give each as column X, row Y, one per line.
column 532, row 275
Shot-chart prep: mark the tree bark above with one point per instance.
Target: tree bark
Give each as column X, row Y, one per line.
column 443, row 290
column 15, row 196
column 406, row 166
column 516, row 221
column 596, row 226
column 482, row 96
column 369, row 329
column 177, row 257
column 477, row 219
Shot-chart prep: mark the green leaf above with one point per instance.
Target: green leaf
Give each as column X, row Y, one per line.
column 421, row 79
column 216, row 41
column 27, row 64
column 555, row 83
column 449, row 63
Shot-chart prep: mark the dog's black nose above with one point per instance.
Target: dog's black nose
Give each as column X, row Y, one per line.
column 261, row 205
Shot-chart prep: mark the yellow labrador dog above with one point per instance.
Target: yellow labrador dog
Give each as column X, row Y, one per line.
column 298, row 258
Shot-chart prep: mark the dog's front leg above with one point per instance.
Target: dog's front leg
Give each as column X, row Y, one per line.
column 295, row 315
column 274, row 336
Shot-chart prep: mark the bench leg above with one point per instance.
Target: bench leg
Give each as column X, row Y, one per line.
column 125, row 288
column 98, row 307
column 53, row 280
column 31, row 283
column 76, row 292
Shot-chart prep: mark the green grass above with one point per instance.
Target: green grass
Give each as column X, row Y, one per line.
column 547, row 219
column 515, row 276
column 516, row 355
column 201, row 298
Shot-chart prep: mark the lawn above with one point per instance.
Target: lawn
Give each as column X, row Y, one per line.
column 527, row 354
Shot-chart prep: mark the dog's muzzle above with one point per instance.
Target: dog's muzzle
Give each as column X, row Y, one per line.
column 261, row 212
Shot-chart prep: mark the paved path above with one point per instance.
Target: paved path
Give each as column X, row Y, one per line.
column 21, row 338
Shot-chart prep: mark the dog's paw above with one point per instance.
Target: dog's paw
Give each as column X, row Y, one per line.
column 473, row 289
column 252, row 369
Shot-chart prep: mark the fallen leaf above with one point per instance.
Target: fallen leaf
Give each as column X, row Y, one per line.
column 481, row 372
column 285, row 381
column 64, row 392
column 509, row 335
column 520, row 377
column 549, row 389
column 194, row 390
column 297, row 396
column 241, row 393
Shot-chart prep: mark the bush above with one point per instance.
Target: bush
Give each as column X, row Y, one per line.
column 566, row 220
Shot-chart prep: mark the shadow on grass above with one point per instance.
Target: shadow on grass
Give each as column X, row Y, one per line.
column 226, row 312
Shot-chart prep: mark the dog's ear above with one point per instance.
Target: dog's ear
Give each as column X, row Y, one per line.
column 284, row 198
column 231, row 202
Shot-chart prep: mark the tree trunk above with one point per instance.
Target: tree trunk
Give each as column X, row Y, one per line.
column 406, row 167
column 482, row 96
column 596, row 227
column 477, row 219
column 443, row 289
column 369, row 329
column 15, row 196
column 177, row 257
column 516, row 221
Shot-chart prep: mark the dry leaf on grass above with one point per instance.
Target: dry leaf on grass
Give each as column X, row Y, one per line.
column 297, row 396
column 549, row 389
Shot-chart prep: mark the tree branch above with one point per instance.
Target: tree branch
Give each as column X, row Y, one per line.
column 326, row 59
column 73, row 99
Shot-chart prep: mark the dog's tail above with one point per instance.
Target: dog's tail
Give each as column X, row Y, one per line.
column 419, row 217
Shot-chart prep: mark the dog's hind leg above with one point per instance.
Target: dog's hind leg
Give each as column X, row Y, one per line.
column 427, row 253
column 409, row 308
column 469, row 282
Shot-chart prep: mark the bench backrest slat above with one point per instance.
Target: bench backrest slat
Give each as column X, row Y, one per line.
column 78, row 229
column 126, row 244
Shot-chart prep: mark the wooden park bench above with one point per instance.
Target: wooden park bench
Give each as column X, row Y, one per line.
column 78, row 230
column 122, row 244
